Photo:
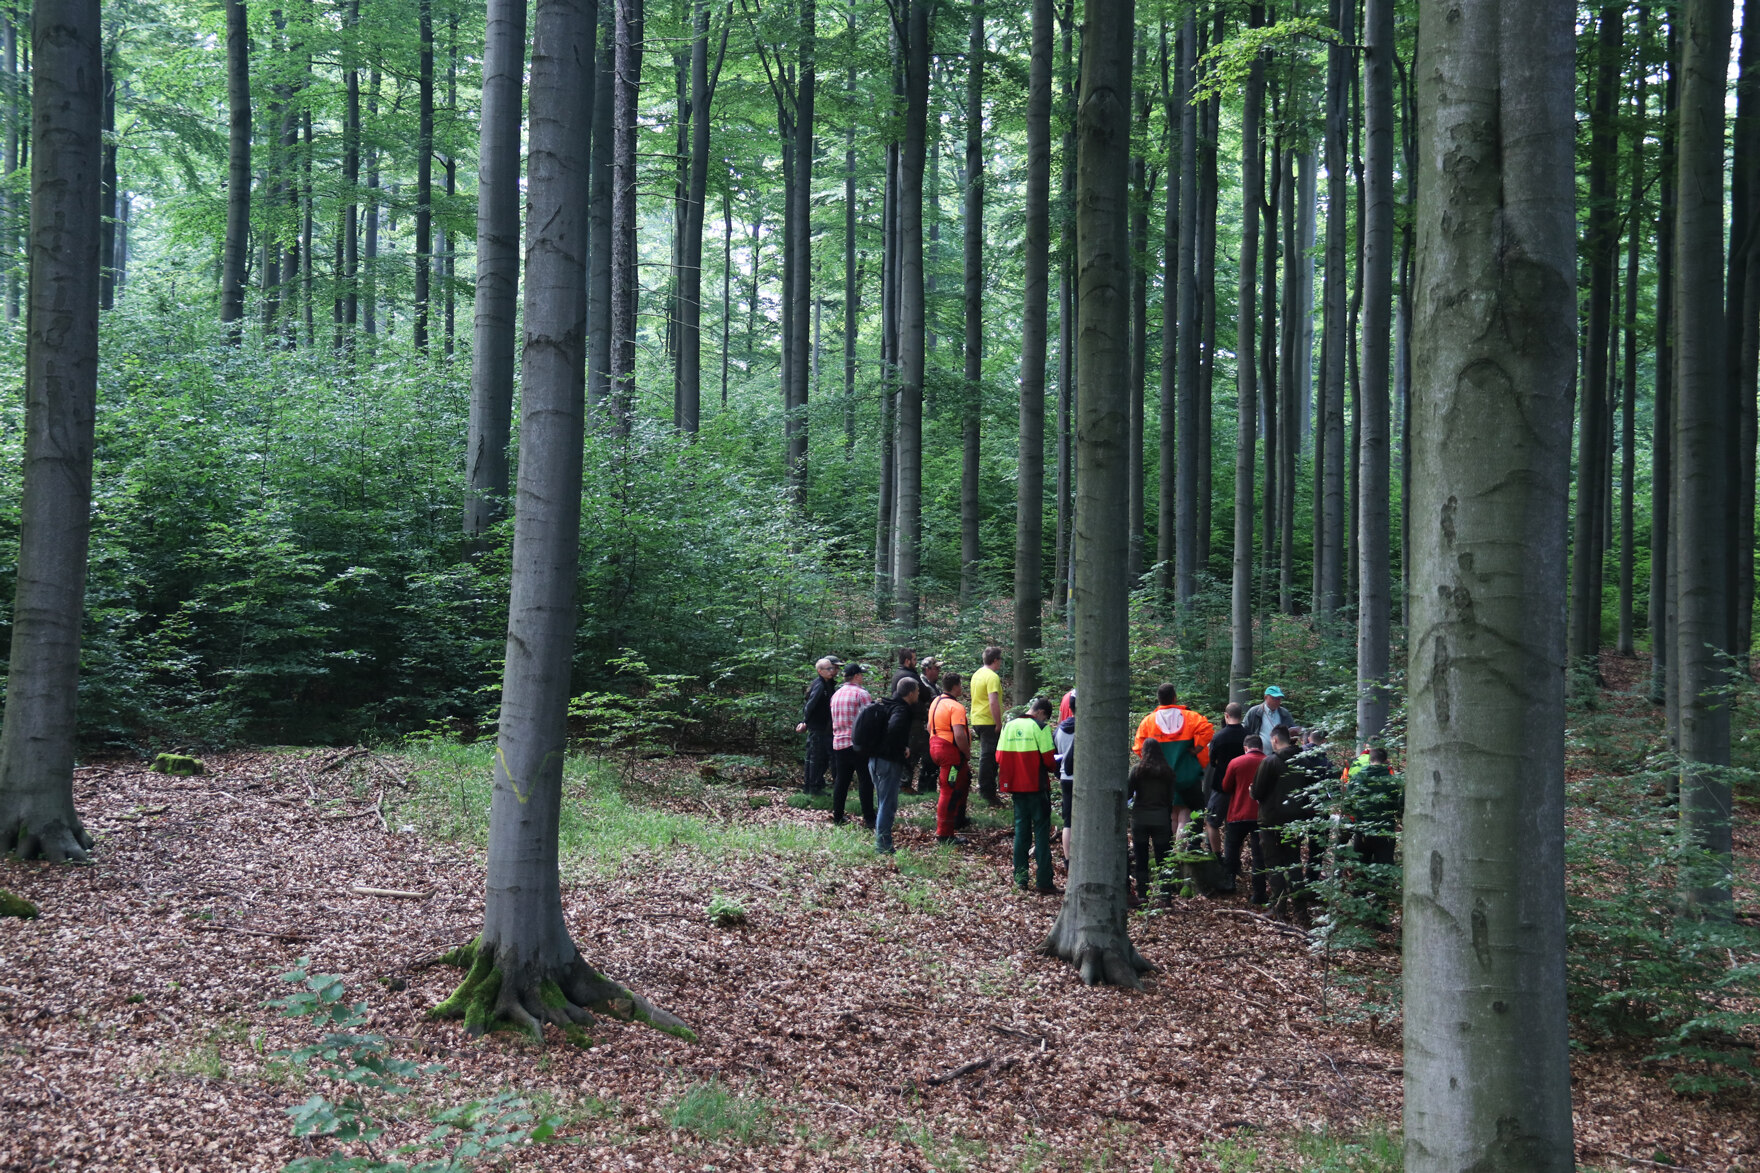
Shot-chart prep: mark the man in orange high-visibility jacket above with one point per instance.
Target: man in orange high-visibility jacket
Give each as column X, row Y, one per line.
column 1026, row 760
column 1182, row 737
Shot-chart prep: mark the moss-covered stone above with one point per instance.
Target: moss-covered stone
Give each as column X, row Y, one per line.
column 576, row 1037
column 18, row 906
column 176, row 763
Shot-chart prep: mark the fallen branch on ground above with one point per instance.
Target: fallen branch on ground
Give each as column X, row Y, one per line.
column 957, row 1072
column 398, row 893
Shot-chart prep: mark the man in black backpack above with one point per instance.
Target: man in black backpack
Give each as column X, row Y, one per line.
column 889, row 756
column 907, row 670
column 816, row 724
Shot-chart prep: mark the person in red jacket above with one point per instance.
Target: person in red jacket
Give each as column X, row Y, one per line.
column 1242, row 819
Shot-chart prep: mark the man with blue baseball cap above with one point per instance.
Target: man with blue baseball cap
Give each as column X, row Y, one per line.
column 1262, row 718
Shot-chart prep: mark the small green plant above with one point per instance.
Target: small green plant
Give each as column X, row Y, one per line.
column 711, row 1111
column 462, row 1135
column 725, row 912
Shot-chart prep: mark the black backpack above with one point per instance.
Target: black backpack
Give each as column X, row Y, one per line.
column 869, row 730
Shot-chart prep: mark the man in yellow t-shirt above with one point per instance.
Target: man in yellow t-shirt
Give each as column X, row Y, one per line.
column 987, row 721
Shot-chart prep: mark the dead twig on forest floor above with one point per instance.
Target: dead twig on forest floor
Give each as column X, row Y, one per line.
column 395, row 893
column 282, row 935
column 1016, row 1033
column 340, row 758
column 963, row 1069
column 1259, row 916
column 1648, row 1164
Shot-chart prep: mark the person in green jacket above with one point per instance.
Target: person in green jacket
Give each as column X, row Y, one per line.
column 1026, row 759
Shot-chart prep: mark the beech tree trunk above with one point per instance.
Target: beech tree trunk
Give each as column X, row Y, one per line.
column 1487, row 1053
column 498, row 208
column 37, row 817
column 599, row 216
column 238, row 168
column 1066, row 327
column 1374, row 603
column 907, row 522
column 1030, row 481
column 1091, row 930
column 425, row 169
column 1139, row 311
column 1176, row 282
column 625, row 278
column 1240, row 670
column 971, row 414
column 1662, row 559
column 107, row 198
column 13, row 114
column 690, row 343
column 1703, row 493
column 1635, row 235
column 524, row 969
column 1329, row 445
column 1186, row 493
column 1742, row 331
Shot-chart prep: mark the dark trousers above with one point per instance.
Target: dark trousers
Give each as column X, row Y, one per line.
column 845, row 763
column 1233, row 836
column 921, row 773
column 1032, row 827
column 1373, row 848
column 818, row 760
column 1147, row 837
column 988, row 736
column 1286, row 876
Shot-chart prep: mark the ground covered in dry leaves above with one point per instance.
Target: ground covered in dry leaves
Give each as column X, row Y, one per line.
column 134, row 1033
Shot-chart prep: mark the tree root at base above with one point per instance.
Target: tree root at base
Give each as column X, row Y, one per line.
column 523, row 997
column 59, row 840
column 1097, row 944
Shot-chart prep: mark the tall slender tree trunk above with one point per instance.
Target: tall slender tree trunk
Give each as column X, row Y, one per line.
column 37, row 816
column 1635, row 234
column 1208, row 195
column 625, row 278
column 524, row 969
column 1091, row 930
column 1139, row 313
column 1178, row 301
column 1271, row 178
column 1601, row 245
column 1742, row 331
column 107, row 180
column 448, row 238
column 370, row 236
column 1329, row 452
column 1191, row 270
column 971, row 413
column 851, row 282
column 424, row 170
column 1066, row 327
column 498, row 209
column 599, row 216
column 238, row 168
column 13, row 113
column 1703, row 494
column 1374, row 601
column 1487, row 1052
column 907, row 525
column 1030, row 482
column 800, row 292
column 1662, row 559
column 349, row 296
column 1240, row 669
column 1297, row 271
column 690, row 351
column 885, row 508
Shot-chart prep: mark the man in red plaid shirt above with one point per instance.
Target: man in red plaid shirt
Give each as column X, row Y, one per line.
column 846, row 702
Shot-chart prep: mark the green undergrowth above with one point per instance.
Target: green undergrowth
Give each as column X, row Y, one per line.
column 1375, row 1151
column 712, row 1111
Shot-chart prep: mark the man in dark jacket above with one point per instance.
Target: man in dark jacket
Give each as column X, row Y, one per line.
column 907, row 670
column 1277, row 788
column 816, row 724
column 890, row 759
column 1151, row 787
column 1225, row 747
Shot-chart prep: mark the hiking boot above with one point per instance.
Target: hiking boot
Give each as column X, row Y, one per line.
column 1054, row 890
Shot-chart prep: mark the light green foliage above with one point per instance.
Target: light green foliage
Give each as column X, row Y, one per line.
column 725, row 912
column 948, row 1153
column 463, row 1135
column 712, row 1111
column 1376, row 1151
column 18, row 906
column 174, row 763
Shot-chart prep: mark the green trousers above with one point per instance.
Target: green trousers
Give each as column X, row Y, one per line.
column 1032, row 824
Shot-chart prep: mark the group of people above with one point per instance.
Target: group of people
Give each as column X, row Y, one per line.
column 1253, row 782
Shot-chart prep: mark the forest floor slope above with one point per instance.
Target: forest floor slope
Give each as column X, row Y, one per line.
column 135, row 1034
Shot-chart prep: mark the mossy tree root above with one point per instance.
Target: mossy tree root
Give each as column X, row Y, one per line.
column 499, row 990
column 1090, row 934
column 58, row 838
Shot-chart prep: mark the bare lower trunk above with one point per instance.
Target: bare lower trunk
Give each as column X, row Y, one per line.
column 1030, row 484
column 971, row 415
column 1374, row 578
column 1487, row 1054
column 1186, row 474
column 907, row 521
column 1091, row 931
column 238, row 167
column 1246, row 375
column 37, row 819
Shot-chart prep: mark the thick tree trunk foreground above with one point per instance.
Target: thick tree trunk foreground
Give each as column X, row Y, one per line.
column 524, row 970
column 37, row 819
column 1487, row 1054
column 1091, row 928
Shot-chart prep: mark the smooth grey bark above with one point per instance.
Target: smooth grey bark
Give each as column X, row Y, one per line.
column 1702, row 491
column 1329, row 446
column 424, row 258
column 1208, row 194
column 625, row 278
column 971, row 414
column 348, row 296
column 1601, row 244
column 1635, row 234
column 885, row 507
column 1742, row 330
column 1186, row 458
column 1307, row 233
column 1487, row 1052
column 1067, row 310
column 1240, row 667
column 1091, row 931
column 1178, row 302
column 14, row 116
column 1662, row 559
column 1139, row 311
column 599, row 217
column 498, row 209
column 690, row 298
column 525, row 942
column 851, row 282
column 800, row 268
column 907, row 521
column 238, row 168
column 1296, row 320
column 370, row 234
column 37, row 816
column 107, row 180
column 1029, row 594
column 1271, row 181
column 1374, row 573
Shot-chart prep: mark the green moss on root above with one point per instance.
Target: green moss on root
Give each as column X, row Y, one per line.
column 18, row 906
column 474, row 1000
column 576, row 1037
column 676, row 1030
column 552, row 995
column 461, row 957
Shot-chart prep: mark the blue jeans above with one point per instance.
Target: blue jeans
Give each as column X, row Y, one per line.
column 888, row 775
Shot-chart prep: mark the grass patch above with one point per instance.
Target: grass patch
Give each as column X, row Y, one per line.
column 945, row 1154
column 605, row 827
column 712, row 1111
column 1375, row 1151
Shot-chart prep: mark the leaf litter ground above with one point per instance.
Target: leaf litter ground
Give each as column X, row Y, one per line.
column 870, row 1014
